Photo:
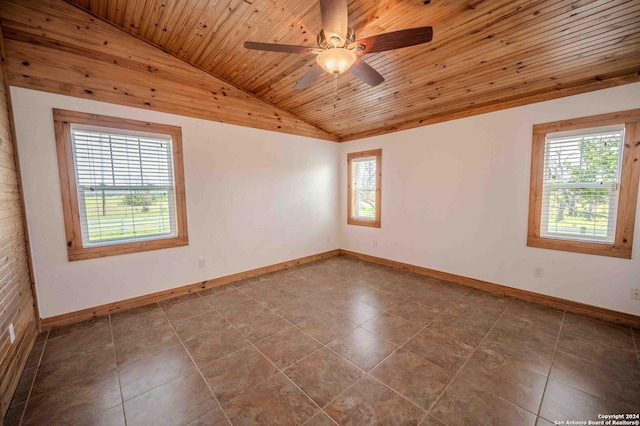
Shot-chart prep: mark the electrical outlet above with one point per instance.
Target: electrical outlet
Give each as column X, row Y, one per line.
column 635, row 293
column 12, row 333
column 202, row 262
column 538, row 271
column 329, row 239
column 375, row 243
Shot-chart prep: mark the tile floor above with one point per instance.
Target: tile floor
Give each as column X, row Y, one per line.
column 335, row 341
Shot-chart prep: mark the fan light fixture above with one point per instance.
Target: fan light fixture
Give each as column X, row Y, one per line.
column 336, row 60
column 338, row 49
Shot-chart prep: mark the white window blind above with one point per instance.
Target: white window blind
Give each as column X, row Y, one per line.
column 125, row 184
column 580, row 185
column 363, row 179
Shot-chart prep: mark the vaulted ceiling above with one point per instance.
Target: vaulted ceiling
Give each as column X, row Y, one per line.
column 485, row 54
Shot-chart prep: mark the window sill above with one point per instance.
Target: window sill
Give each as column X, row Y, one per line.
column 598, row 249
column 81, row 253
column 369, row 223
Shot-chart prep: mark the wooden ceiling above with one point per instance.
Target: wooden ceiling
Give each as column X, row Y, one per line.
column 485, row 54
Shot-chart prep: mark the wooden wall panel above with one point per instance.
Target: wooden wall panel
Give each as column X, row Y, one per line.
column 104, row 63
column 16, row 298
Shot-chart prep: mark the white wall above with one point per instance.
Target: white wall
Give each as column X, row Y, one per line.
column 254, row 198
column 455, row 198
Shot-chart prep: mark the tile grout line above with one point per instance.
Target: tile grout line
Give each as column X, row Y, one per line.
column 326, row 346
column 467, row 360
column 571, row 385
column 592, row 361
column 115, row 358
column 261, row 340
column 333, row 422
column 155, row 352
column 323, row 346
column 279, row 371
column 33, row 381
column 342, row 281
column 366, row 373
column 184, row 347
column 635, row 344
column 427, row 411
column 108, row 317
column 47, row 339
column 553, row 357
column 418, row 332
column 272, row 310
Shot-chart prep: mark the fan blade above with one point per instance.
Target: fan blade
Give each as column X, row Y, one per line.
column 366, row 73
column 335, row 18
column 394, row 40
column 306, row 80
column 271, row 47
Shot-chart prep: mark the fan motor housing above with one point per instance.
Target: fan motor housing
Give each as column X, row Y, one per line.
column 325, row 43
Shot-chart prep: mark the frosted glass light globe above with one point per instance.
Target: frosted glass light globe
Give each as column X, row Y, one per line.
column 336, row 60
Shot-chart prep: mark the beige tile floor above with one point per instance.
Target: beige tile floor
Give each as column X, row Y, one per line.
column 335, row 341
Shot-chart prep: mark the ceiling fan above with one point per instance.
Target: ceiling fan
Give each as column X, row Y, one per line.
column 339, row 51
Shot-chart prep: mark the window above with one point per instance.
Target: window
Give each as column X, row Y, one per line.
column 584, row 184
column 122, row 185
column 364, row 171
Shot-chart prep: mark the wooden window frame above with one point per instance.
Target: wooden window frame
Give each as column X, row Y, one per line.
column 351, row 219
column 629, row 176
column 63, row 120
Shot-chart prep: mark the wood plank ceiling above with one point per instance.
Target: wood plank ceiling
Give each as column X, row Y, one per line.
column 485, row 54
